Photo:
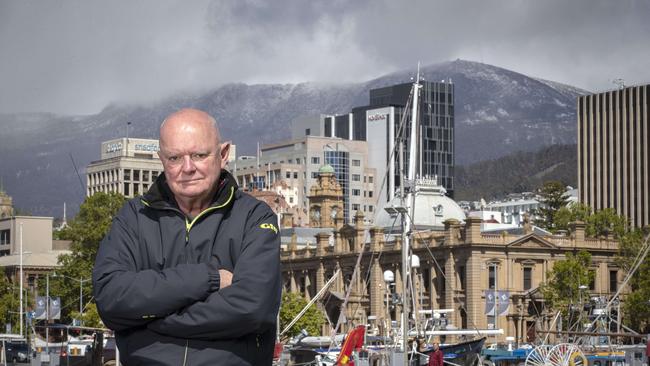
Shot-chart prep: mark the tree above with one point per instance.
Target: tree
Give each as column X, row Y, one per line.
column 564, row 280
column 605, row 222
column 553, row 198
column 568, row 214
column 636, row 304
column 86, row 231
column 292, row 304
column 9, row 297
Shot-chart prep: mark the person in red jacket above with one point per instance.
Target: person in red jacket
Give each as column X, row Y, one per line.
column 435, row 357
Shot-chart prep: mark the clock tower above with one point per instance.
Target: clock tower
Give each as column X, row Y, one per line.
column 325, row 199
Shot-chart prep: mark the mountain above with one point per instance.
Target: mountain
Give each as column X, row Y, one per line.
column 522, row 171
column 497, row 111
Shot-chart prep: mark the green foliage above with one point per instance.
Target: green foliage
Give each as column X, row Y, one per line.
column 605, row 222
column 86, row 230
column 518, row 172
column 90, row 317
column 292, row 304
column 636, row 304
column 9, row 306
column 568, row 214
column 553, row 198
column 564, row 280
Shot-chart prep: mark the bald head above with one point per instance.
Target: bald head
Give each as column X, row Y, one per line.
column 189, row 118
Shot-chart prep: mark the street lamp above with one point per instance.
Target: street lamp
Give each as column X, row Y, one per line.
column 389, row 277
column 81, row 291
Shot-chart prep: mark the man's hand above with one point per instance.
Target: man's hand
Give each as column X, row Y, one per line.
column 225, row 278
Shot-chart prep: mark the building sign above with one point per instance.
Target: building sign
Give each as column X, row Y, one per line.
column 147, row 147
column 113, row 147
column 377, row 117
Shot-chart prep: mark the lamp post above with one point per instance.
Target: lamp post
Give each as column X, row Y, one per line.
column 20, row 312
column 47, row 314
column 389, row 277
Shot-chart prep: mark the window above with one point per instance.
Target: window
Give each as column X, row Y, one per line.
column 288, row 175
column 492, row 275
column 356, row 162
column 126, row 189
column 613, row 283
column 592, row 280
column 314, row 175
column 356, row 177
column 315, row 160
column 307, row 131
column 297, row 160
column 461, row 277
column 370, row 194
column 145, row 175
column 295, row 175
column 136, row 174
column 127, row 174
column 355, row 206
column 370, row 179
column 290, row 199
column 5, row 237
column 370, row 208
column 528, row 278
column 356, row 192
column 154, row 175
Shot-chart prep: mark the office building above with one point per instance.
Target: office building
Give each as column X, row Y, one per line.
column 614, row 153
column 379, row 123
column 297, row 163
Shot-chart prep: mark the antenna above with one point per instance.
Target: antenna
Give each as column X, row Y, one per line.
column 77, row 171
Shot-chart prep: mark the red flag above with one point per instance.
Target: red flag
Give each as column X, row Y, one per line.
column 353, row 342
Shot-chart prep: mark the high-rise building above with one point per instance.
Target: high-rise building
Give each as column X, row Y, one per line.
column 379, row 124
column 614, row 152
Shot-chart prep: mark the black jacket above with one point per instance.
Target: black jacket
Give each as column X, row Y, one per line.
column 152, row 281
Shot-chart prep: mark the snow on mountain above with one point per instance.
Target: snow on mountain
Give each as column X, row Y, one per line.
column 497, row 112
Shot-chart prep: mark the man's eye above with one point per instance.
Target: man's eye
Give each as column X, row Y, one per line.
column 199, row 156
column 173, row 158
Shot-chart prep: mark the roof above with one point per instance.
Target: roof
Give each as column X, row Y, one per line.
column 432, row 207
column 35, row 260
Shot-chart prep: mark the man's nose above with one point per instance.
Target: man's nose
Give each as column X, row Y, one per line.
column 188, row 165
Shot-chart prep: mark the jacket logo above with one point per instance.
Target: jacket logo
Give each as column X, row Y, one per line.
column 269, row 226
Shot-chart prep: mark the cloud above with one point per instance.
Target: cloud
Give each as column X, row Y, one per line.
column 77, row 57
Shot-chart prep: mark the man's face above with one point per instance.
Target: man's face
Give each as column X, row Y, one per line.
column 192, row 157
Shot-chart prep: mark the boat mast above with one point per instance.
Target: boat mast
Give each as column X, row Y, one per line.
column 407, row 217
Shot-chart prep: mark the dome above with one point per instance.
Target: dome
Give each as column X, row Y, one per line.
column 432, row 208
column 326, row 169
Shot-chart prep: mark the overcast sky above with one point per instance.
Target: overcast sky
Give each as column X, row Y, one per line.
column 75, row 57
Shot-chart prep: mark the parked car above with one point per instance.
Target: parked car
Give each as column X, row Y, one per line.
column 108, row 354
column 17, row 352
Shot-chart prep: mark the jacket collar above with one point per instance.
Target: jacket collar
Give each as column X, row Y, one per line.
column 160, row 195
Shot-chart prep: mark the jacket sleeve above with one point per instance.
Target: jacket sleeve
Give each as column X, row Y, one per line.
column 251, row 303
column 127, row 297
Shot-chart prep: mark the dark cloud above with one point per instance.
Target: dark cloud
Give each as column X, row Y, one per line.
column 76, row 57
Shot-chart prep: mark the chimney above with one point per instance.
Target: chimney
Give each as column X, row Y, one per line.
column 473, row 230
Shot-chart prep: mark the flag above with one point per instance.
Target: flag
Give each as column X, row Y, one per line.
column 39, row 309
column 489, row 302
column 504, row 303
column 55, row 307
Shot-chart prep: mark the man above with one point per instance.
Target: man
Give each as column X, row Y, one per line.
column 189, row 274
column 435, row 356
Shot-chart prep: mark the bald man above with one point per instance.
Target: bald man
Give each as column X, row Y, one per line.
column 189, row 274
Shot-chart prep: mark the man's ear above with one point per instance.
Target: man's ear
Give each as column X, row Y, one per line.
column 225, row 152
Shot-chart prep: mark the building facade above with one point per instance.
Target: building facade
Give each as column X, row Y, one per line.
column 613, row 153
column 459, row 267
column 297, row 163
column 126, row 166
